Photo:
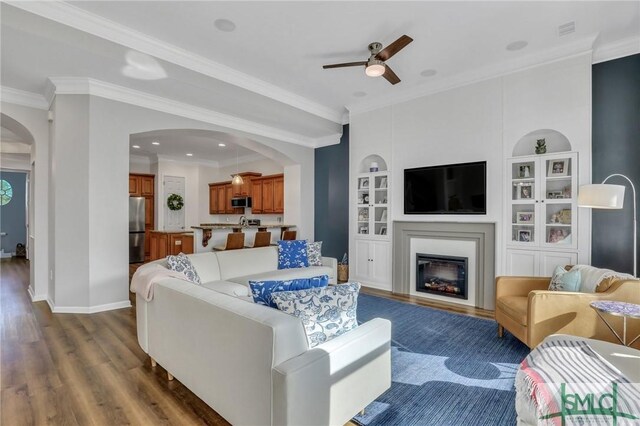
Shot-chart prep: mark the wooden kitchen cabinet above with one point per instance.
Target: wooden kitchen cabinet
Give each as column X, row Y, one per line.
column 164, row 244
column 256, row 196
column 134, row 186
column 278, row 194
column 146, row 185
column 267, row 195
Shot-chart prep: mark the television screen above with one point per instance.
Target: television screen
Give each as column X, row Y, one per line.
column 449, row 189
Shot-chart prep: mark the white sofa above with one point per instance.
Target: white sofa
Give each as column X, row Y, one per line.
column 251, row 363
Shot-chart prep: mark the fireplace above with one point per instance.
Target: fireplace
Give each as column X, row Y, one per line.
column 442, row 275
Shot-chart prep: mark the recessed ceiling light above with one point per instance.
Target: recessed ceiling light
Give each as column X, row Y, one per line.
column 189, row 154
column 359, row 94
column 517, row 45
column 222, row 145
column 224, row 25
column 428, row 73
column 135, row 146
column 155, row 143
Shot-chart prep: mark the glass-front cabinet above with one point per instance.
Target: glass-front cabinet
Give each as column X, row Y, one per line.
column 542, row 195
column 373, row 204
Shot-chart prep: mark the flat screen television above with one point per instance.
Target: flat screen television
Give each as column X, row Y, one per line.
column 448, row 189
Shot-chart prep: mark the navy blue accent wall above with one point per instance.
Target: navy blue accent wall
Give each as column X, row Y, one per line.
column 616, row 149
column 13, row 214
column 332, row 197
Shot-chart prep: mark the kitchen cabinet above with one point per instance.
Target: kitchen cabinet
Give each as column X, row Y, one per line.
column 266, row 192
column 256, row 196
column 143, row 185
column 164, row 244
column 278, row 194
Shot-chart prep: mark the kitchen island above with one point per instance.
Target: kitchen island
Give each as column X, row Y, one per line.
column 165, row 243
column 208, row 235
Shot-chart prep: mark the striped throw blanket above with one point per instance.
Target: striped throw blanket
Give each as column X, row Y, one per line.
column 569, row 383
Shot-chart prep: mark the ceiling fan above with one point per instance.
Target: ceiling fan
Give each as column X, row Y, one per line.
column 375, row 66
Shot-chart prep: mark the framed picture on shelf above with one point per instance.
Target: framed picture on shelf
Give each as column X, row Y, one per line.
column 564, row 216
column 524, row 235
column 525, row 192
column 383, row 216
column 557, row 236
column 551, row 195
column 524, row 171
column 524, row 217
column 364, row 230
column 364, row 183
column 558, row 168
column 383, row 230
column 383, row 183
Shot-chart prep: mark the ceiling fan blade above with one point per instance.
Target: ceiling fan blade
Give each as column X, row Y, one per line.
column 390, row 75
column 394, row 48
column 346, row 64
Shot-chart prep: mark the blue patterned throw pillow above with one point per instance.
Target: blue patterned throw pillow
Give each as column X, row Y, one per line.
column 325, row 312
column 563, row 280
column 181, row 263
column 292, row 254
column 262, row 290
column 314, row 253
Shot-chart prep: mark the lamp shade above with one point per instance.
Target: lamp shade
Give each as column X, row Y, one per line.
column 601, row 196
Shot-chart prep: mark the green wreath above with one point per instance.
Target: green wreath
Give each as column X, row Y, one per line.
column 175, row 202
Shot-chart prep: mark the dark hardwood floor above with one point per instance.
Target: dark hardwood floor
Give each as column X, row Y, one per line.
column 75, row 369
column 68, row 369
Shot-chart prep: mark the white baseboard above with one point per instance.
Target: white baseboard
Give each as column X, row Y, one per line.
column 36, row 297
column 88, row 309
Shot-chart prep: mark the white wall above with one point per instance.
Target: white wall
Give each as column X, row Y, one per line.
column 479, row 122
column 35, row 120
column 89, row 185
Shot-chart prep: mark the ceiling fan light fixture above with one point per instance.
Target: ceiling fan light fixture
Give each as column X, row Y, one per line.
column 375, row 68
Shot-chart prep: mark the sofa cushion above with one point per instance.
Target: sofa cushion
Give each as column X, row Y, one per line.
column 228, row 288
column 564, row 280
column 262, row 290
column 314, row 253
column 515, row 307
column 292, row 254
column 182, row 263
column 206, row 264
column 325, row 312
column 236, row 263
column 283, row 274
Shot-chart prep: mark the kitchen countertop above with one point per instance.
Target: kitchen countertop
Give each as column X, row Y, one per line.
column 236, row 225
column 171, row 232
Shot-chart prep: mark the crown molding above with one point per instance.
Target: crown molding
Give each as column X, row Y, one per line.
column 72, row 16
column 24, row 98
column 577, row 48
column 89, row 86
column 618, row 49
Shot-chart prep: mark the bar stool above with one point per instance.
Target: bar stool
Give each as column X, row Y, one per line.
column 289, row 235
column 235, row 241
column 262, row 239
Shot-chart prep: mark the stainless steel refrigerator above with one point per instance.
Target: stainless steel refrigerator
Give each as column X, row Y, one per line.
column 136, row 229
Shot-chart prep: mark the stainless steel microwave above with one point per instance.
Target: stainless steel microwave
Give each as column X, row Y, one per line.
column 239, row 202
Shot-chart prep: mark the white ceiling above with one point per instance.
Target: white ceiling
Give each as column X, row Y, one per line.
column 175, row 144
column 269, row 70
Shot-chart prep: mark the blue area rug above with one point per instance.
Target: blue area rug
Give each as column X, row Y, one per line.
column 447, row 369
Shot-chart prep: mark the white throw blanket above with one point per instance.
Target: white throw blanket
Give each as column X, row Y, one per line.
column 558, row 372
column 591, row 276
column 145, row 279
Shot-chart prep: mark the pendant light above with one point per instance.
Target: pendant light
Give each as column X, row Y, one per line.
column 237, row 179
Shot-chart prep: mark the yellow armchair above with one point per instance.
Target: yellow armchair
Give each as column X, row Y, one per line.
column 530, row 312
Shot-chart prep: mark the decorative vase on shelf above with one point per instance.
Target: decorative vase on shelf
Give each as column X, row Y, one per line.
column 373, row 167
column 541, row 146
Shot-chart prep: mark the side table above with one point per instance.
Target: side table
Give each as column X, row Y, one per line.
column 620, row 309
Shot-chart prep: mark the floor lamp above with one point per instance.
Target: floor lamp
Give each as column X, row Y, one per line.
column 608, row 196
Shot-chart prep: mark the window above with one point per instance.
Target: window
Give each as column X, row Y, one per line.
column 6, row 192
